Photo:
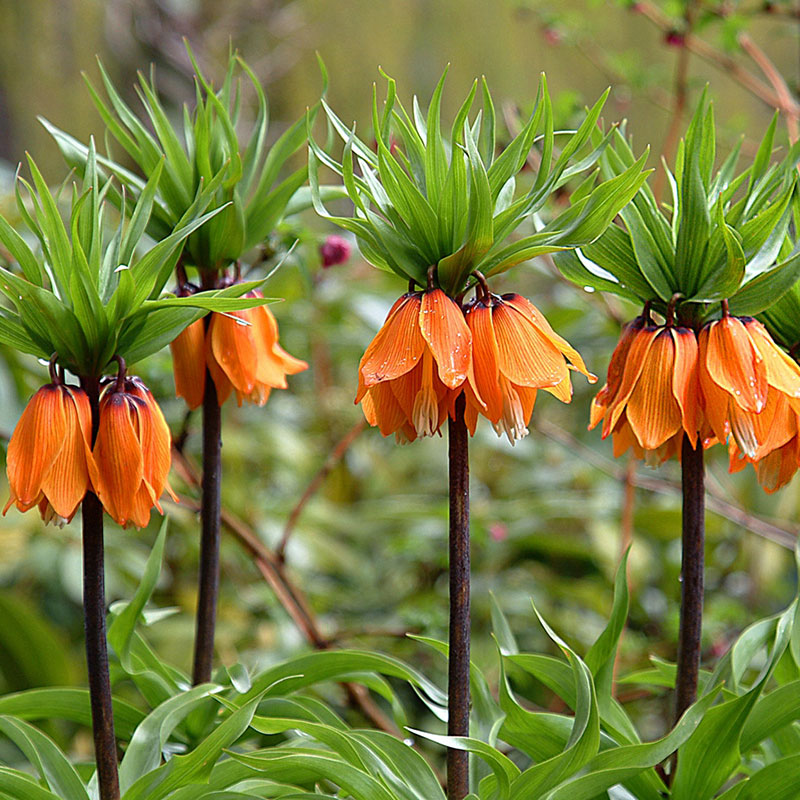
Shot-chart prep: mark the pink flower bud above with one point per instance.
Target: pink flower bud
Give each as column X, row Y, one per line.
column 334, row 250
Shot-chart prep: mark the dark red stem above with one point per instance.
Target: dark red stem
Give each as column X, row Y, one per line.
column 458, row 674
column 94, row 616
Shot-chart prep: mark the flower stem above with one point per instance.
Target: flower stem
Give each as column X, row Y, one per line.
column 692, row 565
column 458, row 677
column 94, row 620
column 209, row 535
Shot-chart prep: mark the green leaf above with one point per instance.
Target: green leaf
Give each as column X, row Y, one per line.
column 46, row 758
column 196, row 766
column 765, row 289
column 120, row 632
column 67, row 703
column 144, row 750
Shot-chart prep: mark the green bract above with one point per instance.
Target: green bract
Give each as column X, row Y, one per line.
column 430, row 199
column 245, row 175
column 91, row 293
column 724, row 236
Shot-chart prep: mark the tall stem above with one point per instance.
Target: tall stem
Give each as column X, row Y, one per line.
column 692, row 562
column 94, row 620
column 458, row 677
column 209, row 535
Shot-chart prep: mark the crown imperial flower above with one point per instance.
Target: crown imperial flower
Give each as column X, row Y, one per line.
column 49, row 454
column 131, row 453
column 242, row 353
column 515, row 353
column 651, row 397
column 750, row 387
column 410, row 373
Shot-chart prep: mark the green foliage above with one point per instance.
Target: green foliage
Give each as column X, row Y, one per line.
column 91, row 294
column 450, row 201
column 240, row 180
column 722, row 236
column 266, row 736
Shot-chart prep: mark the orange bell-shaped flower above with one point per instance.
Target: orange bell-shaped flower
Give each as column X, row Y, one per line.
column 241, row 351
column 49, row 455
column 515, row 352
column 651, row 398
column 745, row 379
column 131, row 453
column 410, row 373
column 243, row 355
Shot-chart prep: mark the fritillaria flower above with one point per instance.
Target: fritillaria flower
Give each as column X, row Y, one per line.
column 651, row 396
column 750, row 387
column 242, row 353
column 49, row 455
column 131, row 453
column 515, row 353
column 413, row 369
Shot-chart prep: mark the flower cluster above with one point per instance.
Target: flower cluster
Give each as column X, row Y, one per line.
column 728, row 383
column 52, row 464
column 497, row 350
column 241, row 352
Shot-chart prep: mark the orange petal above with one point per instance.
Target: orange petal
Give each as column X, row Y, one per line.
column 634, row 362
column 652, row 410
column 685, row 382
column 189, row 363
column 445, row 330
column 35, row 444
column 396, row 348
column 386, row 411
column 425, row 416
column 156, row 447
column 274, row 363
column 233, row 346
column 118, row 455
column 536, row 317
column 484, row 362
column 783, row 373
column 715, row 400
column 67, row 481
column 624, row 438
column 616, row 366
column 221, row 381
column 517, row 409
column 777, row 468
column 735, row 365
column 525, row 356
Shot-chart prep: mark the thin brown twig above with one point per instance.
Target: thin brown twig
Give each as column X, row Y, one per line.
column 335, row 456
column 709, row 53
column 788, row 106
column 680, row 98
column 766, row 529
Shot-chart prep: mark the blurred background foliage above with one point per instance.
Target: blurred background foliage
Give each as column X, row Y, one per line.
column 367, row 550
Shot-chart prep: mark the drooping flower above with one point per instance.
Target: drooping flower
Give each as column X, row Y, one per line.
column 413, row 369
column 748, row 385
column 242, row 353
column 49, row 457
column 515, row 353
column 651, row 397
column 131, row 453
